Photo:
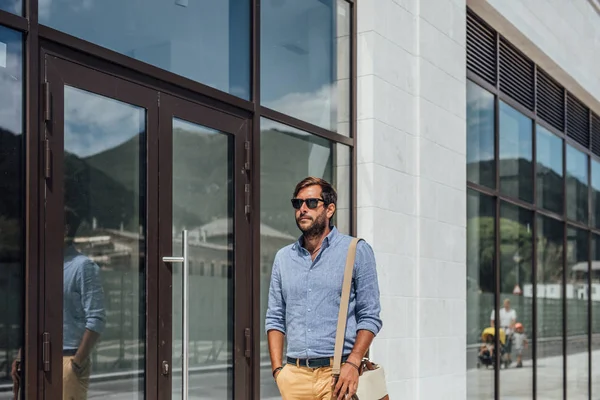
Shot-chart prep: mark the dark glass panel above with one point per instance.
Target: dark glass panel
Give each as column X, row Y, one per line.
column 577, row 185
column 516, row 154
column 549, row 170
column 481, row 168
column 480, row 290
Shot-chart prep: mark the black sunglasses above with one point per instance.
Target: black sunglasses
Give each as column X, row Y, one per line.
column 310, row 203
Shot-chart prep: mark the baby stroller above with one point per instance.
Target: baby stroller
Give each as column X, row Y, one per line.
column 487, row 352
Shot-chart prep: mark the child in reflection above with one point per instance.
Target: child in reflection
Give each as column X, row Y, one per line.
column 487, row 349
column 520, row 341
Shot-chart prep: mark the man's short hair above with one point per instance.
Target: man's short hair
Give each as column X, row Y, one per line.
column 72, row 220
column 328, row 192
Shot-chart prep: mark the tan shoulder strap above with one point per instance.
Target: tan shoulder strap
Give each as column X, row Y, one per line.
column 343, row 314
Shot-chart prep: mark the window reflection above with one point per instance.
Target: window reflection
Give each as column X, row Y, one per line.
column 12, row 6
column 577, row 185
column 203, row 174
column 305, row 61
column 206, row 41
column 480, row 291
column 105, row 214
column 549, row 344
column 549, row 170
column 595, row 188
column 481, row 168
column 576, row 292
column 287, row 156
column 516, row 299
column 12, row 260
column 516, row 152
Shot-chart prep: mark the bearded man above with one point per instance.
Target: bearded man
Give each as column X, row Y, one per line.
column 304, row 301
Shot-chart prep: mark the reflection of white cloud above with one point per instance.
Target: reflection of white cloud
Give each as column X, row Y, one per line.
column 318, row 107
column 95, row 123
column 44, row 7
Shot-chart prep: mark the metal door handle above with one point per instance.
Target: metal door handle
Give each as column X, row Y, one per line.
column 185, row 300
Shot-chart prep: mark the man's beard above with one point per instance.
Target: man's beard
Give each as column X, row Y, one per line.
column 316, row 229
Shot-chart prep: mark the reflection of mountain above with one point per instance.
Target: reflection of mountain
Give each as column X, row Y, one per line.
column 514, row 180
column 202, row 166
column 287, row 158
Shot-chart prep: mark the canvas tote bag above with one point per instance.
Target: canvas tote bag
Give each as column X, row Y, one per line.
column 371, row 383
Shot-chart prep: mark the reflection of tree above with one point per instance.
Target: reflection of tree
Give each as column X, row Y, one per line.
column 550, row 259
column 515, row 253
column 515, row 238
column 480, row 251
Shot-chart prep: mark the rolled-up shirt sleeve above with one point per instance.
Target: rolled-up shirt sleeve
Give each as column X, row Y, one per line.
column 92, row 297
column 275, row 317
column 368, row 305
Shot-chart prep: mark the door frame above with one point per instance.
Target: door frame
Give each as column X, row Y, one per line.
column 59, row 64
column 176, row 107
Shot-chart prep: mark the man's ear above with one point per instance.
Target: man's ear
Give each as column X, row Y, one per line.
column 330, row 210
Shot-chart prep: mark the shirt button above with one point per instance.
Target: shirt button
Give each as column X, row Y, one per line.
column 309, row 310
column 309, row 330
column 310, row 290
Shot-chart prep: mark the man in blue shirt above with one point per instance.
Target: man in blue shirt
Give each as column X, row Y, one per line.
column 84, row 317
column 304, row 301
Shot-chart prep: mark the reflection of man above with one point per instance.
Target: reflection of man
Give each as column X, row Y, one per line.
column 83, row 313
column 83, row 316
column 508, row 319
column 304, row 300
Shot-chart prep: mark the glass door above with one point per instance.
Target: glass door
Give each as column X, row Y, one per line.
column 205, row 311
column 146, row 246
column 96, row 238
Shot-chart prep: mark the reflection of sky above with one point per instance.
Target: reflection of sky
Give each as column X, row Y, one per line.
column 12, row 6
column 94, row 123
column 11, row 82
column 480, row 124
column 193, row 128
column 549, row 150
column 515, row 134
column 595, row 175
column 206, row 41
column 299, row 68
column 576, row 164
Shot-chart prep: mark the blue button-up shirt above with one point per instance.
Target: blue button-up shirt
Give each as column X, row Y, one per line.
column 304, row 296
column 83, row 298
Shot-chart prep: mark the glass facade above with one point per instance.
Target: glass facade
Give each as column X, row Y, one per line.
column 156, row 122
column 207, row 42
column 544, row 241
column 305, row 56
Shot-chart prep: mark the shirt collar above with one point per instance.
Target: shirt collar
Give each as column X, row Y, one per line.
column 329, row 239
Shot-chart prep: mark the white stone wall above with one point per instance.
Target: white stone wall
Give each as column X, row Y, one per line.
column 411, row 187
column 562, row 36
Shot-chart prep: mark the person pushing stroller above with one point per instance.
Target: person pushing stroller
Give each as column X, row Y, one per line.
column 508, row 319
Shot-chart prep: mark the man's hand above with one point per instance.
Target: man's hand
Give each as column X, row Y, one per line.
column 347, row 382
column 14, row 372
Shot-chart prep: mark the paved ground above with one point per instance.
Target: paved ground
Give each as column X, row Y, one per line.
column 205, row 386
column 516, row 384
